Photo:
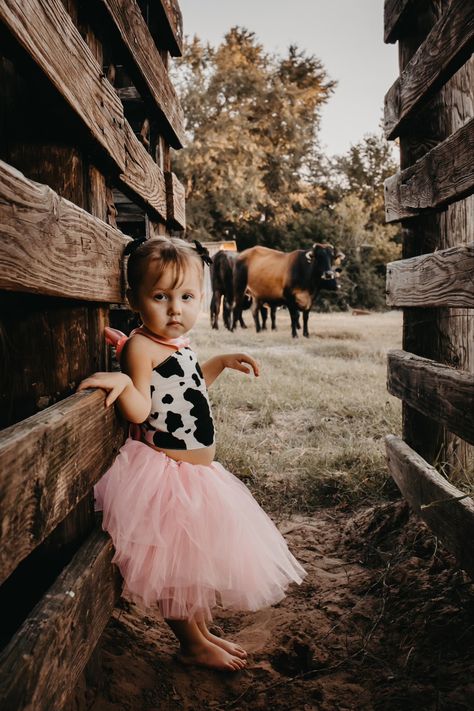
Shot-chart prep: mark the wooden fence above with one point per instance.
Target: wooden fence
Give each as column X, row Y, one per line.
column 87, row 118
column 430, row 109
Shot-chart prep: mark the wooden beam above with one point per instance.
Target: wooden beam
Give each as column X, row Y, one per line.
column 142, row 175
column 173, row 25
column 42, row 662
column 444, row 175
column 442, row 393
column 50, row 246
column 394, row 11
column 444, row 51
column 47, row 33
column 434, row 499
column 176, row 202
column 128, row 20
column 49, row 462
column 444, row 278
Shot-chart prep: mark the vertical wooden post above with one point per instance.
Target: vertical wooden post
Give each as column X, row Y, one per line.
column 442, row 334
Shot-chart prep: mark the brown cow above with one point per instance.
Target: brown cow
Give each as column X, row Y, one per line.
column 293, row 278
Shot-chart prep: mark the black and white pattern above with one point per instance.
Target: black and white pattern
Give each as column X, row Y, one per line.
column 180, row 416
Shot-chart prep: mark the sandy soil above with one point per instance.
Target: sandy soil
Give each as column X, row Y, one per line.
column 384, row 620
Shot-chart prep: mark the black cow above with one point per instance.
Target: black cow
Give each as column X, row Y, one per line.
column 222, row 284
column 293, row 278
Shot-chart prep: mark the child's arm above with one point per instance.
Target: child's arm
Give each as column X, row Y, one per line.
column 131, row 388
column 213, row 367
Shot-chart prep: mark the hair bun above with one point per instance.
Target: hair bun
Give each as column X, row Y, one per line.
column 133, row 245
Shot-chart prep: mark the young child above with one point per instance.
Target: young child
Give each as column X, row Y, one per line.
column 187, row 533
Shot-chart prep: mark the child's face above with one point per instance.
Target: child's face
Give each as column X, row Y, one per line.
column 169, row 311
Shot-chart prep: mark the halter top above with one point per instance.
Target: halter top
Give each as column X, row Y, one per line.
column 180, row 415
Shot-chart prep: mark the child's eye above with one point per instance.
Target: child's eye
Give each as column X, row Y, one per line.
column 188, row 297
column 160, row 297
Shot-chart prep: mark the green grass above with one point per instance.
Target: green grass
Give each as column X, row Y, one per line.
column 309, row 431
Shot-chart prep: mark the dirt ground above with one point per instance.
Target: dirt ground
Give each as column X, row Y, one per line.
column 384, row 620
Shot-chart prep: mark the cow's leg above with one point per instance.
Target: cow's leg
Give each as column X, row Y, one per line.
column 227, row 314
column 305, row 323
column 256, row 314
column 242, row 322
column 294, row 319
column 240, row 285
column 273, row 317
column 214, row 309
column 264, row 315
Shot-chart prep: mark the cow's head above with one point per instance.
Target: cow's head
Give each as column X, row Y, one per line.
column 325, row 261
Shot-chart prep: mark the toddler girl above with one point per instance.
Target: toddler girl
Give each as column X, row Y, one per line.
column 187, row 533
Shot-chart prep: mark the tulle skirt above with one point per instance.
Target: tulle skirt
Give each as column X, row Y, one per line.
column 189, row 537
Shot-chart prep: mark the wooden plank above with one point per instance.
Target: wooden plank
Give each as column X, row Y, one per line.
column 449, row 517
column 438, row 391
column 49, row 462
column 50, row 37
column 444, row 175
column 142, row 175
column 444, row 278
column 42, row 662
column 394, row 11
column 135, row 35
column 176, row 202
column 69, row 64
column 42, row 236
column 171, row 13
column 444, row 51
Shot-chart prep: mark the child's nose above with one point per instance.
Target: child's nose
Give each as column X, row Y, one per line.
column 174, row 306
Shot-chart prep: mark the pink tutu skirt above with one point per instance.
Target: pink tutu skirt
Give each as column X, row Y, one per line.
column 189, row 537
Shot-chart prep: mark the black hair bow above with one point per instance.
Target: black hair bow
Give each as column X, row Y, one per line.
column 133, row 245
column 203, row 252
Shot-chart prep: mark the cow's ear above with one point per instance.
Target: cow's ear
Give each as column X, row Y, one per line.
column 340, row 256
column 309, row 255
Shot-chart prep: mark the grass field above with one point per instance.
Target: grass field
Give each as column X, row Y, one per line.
column 309, row 431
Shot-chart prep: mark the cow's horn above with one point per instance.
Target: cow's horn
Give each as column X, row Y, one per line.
column 309, row 255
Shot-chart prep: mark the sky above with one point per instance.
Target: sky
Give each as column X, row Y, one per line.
column 346, row 35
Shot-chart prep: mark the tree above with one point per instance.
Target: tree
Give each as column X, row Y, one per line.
column 252, row 122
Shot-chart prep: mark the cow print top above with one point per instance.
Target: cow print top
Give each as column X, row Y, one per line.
column 180, row 416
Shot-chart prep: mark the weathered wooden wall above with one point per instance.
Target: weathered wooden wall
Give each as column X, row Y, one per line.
column 430, row 108
column 87, row 118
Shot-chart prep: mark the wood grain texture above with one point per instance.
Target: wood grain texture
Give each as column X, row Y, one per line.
column 43, row 661
column 444, row 51
column 444, row 175
column 49, row 462
column 451, row 519
column 48, row 34
column 50, row 246
column 394, row 11
column 173, row 18
column 445, row 278
column 438, row 391
column 176, row 202
column 135, row 36
column 142, row 175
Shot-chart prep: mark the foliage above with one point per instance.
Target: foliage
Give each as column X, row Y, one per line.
column 252, row 121
column 253, row 169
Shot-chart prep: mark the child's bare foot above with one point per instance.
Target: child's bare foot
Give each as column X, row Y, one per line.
column 207, row 654
column 230, row 647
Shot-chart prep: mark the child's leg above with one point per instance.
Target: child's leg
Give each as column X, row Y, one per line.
column 230, row 647
column 197, row 649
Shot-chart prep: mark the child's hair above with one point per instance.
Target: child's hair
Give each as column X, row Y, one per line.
column 165, row 252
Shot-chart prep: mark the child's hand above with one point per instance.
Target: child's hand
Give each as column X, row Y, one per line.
column 113, row 383
column 236, row 362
